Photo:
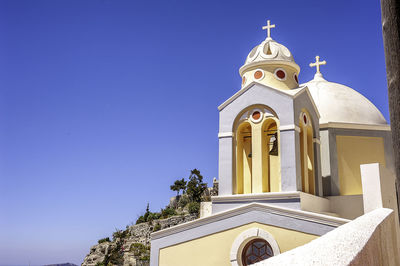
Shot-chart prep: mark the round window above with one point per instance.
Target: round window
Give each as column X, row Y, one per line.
column 280, row 74
column 295, row 78
column 259, row 74
column 255, row 251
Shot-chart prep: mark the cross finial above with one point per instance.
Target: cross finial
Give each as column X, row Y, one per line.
column 268, row 28
column 317, row 64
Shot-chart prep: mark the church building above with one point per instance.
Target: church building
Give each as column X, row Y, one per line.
column 289, row 165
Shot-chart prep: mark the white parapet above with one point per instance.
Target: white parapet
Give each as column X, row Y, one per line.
column 368, row 240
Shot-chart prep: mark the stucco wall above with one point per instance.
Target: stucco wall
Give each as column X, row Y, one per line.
column 215, row 249
column 368, row 240
column 352, row 151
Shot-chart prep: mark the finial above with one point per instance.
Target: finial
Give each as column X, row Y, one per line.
column 268, row 28
column 317, row 64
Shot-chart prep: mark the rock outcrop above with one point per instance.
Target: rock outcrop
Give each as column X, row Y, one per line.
column 132, row 246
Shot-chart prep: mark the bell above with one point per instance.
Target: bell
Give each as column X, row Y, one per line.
column 274, row 150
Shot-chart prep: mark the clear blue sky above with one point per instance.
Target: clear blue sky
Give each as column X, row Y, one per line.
column 103, row 104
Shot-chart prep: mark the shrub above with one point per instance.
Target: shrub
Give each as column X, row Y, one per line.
column 157, row 227
column 153, row 216
column 120, row 234
column 140, row 220
column 167, row 212
column 183, row 200
column 141, row 251
column 106, row 239
column 194, row 208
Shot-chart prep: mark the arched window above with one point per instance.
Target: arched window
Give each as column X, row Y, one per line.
column 270, row 155
column 255, row 251
column 243, row 158
column 256, row 147
column 253, row 245
column 307, row 154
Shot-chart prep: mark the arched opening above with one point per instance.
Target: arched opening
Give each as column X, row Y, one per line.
column 256, row 250
column 307, row 154
column 243, row 158
column 270, row 156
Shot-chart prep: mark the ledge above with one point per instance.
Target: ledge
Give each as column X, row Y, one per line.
column 260, row 196
column 267, row 208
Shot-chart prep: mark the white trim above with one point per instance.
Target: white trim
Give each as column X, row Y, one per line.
column 289, row 127
column 245, row 237
column 260, row 118
column 354, row 126
column 315, row 140
column 258, row 196
column 276, row 76
column 246, row 88
column 225, row 134
column 305, row 89
column 296, row 214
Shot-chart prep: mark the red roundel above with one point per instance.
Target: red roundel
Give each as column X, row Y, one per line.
column 280, row 74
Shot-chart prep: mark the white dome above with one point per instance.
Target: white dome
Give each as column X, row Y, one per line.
column 269, row 52
column 341, row 104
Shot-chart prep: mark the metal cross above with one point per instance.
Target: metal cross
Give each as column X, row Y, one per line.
column 268, row 28
column 317, row 63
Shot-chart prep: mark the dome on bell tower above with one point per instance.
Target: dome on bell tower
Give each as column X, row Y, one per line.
column 271, row 64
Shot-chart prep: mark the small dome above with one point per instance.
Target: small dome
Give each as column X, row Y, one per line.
column 341, row 104
column 269, row 52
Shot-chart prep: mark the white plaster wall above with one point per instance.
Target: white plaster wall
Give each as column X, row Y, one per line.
column 348, row 206
column 368, row 240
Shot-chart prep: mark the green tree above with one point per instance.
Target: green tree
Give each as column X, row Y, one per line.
column 195, row 186
column 178, row 186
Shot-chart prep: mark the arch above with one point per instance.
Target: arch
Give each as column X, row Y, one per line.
column 307, row 153
column 254, row 161
column 247, row 236
column 271, row 155
column 243, row 159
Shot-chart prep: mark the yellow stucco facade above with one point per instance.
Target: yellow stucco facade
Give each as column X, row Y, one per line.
column 269, row 78
column 352, row 151
column 215, row 249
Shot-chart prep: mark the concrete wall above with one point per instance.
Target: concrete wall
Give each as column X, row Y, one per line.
column 368, row 240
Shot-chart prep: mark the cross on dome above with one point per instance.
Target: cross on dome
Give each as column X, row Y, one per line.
column 268, row 27
column 317, row 64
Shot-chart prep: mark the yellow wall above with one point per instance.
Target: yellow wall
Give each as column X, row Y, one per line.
column 270, row 79
column 353, row 151
column 215, row 249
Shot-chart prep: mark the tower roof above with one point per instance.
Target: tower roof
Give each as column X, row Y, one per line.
column 269, row 52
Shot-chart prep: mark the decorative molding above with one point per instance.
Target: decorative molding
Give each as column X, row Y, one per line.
column 245, row 237
column 296, row 214
column 354, row 126
column 254, row 197
column 289, row 127
column 289, row 93
column 225, row 135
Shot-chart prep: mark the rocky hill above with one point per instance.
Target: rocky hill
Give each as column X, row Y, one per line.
column 132, row 246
